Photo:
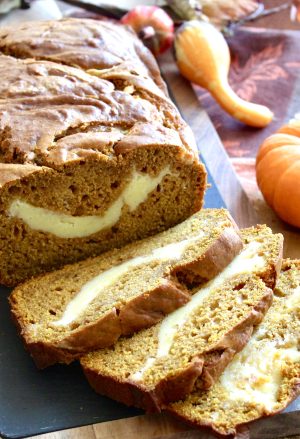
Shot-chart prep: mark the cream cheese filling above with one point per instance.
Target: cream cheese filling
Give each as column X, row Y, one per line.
column 246, row 262
column 68, row 226
column 96, row 285
column 255, row 374
column 293, row 301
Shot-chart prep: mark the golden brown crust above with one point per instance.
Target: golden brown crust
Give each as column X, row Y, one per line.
column 43, row 355
column 200, row 369
column 85, row 43
column 133, row 394
column 216, row 258
column 144, row 311
column 149, row 308
column 67, row 114
column 121, row 391
column 9, row 173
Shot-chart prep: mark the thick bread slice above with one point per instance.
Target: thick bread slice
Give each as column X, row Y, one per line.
column 197, row 341
column 262, row 379
column 112, row 160
column 90, row 304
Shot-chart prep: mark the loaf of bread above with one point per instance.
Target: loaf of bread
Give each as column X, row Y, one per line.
column 89, row 159
column 89, row 304
column 264, row 377
column 194, row 344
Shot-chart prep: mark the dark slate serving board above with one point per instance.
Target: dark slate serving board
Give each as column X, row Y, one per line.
column 35, row 402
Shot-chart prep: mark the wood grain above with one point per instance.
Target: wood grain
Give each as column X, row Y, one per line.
column 73, row 433
column 149, row 427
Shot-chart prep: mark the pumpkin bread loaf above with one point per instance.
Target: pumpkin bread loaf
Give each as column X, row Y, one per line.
column 89, row 160
column 195, row 343
column 88, row 305
column 264, row 377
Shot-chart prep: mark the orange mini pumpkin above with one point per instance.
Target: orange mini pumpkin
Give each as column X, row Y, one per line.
column 278, row 172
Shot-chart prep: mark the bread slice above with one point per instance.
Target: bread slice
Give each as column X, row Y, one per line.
column 196, row 342
column 90, row 304
column 264, row 377
column 88, row 161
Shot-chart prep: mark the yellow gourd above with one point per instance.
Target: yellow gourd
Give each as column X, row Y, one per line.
column 203, row 57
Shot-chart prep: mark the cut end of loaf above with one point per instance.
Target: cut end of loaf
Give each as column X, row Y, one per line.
column 98, row 201
column 88, row 162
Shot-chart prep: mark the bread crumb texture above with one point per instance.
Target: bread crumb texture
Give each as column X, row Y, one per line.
column 265, row 376
column 90, row 304
column 197, row 341
column 83, row 131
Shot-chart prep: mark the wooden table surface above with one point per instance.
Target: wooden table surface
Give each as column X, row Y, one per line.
column 247, row 209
